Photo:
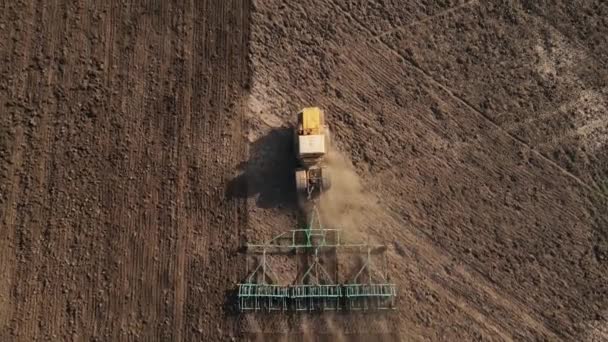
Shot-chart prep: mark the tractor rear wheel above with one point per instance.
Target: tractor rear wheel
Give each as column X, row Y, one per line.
column 325, row 179
column 301, row 181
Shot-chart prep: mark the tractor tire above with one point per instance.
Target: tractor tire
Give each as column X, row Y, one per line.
column 301, row 181
column 325, row 179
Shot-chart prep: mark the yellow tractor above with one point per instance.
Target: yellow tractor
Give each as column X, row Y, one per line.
column 311, row 145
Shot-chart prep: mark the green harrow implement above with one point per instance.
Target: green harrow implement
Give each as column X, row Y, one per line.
column 316, row 289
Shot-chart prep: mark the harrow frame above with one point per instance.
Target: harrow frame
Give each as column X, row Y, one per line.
column 315, row 289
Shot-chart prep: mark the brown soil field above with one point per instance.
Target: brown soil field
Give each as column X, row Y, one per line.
column 143, row 143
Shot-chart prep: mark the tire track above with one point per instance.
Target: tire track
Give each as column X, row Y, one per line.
column 435, row 255
column 492, row 123
column 536, row 324
column 352, row 46
column 590, row 184
column 455, row 285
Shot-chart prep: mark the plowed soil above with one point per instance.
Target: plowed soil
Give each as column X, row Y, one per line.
column 143, row 142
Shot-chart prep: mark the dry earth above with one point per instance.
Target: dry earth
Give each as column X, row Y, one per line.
column 143, row 142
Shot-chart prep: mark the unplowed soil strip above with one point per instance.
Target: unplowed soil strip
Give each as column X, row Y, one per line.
column 515, row 309
column 494, row 125
column 367, row 71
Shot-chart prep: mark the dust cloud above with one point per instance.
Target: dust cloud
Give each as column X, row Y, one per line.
column 336, row 333
column 346, row 205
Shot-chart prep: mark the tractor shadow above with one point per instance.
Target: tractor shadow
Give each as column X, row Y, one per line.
column 268, row 175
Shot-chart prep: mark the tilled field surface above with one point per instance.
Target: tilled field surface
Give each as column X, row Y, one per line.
column 120, row 126
column 141, row 143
